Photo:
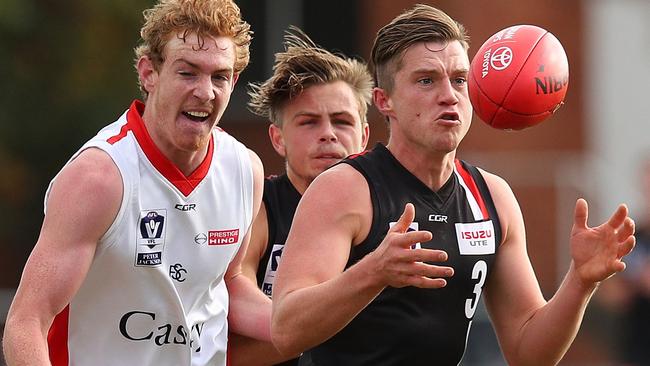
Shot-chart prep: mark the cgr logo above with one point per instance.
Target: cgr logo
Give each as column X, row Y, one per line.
column 139, row 326
column 438, row 218
column 185, row 208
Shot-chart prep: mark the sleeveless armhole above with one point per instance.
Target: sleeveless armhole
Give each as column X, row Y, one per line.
column 487, row 198
column 261, row 267
column 126, row 189
column 247, row 176
column 127, row 192
column 359, row 251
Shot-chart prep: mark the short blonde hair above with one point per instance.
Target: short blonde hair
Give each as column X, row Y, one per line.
column 203, row 17
column 302, row 65
column 422, row 23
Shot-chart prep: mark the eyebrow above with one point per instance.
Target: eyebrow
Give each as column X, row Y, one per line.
column 197, row 66
column 437, row 72
column 310, row 114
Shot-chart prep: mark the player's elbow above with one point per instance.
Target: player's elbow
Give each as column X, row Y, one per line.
column 284, row 340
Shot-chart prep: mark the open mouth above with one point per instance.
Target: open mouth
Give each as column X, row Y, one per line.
column 449, row 116
column 196, row 116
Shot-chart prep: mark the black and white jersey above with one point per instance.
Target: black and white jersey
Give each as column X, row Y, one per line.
column 413, row 326
column 281, row 200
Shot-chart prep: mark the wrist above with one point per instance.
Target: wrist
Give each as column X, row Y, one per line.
column 577, row 281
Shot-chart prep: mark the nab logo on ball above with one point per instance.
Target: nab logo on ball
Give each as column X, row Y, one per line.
column 518, row 78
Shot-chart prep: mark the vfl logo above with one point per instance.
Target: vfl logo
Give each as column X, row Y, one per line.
column 271, row 268
column 223, row 237
column 151, row 239
column 177, row 272
column 501, row 58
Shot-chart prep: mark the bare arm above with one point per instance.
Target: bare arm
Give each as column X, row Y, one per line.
column 250, row 309
column 246, row 351
column 531, row 330
column 82, row 204
column 313, row 296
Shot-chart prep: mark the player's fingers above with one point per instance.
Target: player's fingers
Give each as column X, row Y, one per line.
column 626, row 247
column 618, row 266
column 427, row 255
column 426, row 282
column 618, row 217
column 581, row 214
column 430, row 270
column 625, row 230
column 405, row 220
column 407, row 239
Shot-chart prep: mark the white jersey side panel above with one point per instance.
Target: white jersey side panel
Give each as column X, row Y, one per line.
column 155, row 293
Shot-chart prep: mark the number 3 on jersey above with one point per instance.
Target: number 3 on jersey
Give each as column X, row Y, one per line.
column 479, row 272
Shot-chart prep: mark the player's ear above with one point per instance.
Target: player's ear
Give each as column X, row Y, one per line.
column 365, row 130
column 382, row 101
column 147, row 73
column 277, row 140
column 235, row 77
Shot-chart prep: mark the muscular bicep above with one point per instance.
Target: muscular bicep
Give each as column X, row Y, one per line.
column 512, row 294
column 82, row 204
column 333, row 214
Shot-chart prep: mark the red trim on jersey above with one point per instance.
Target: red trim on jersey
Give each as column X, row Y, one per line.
column 184, row 184
column 364, row 152
column 123, row 131
column 469, row 182
column 57, row 339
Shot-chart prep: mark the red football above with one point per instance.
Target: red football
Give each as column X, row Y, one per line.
column 518, row 77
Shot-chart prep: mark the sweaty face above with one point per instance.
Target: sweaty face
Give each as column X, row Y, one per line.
column 189, row 92
column 429, row 106
column 320, row 127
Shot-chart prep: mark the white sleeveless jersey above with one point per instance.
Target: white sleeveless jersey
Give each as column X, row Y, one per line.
column 155, row 293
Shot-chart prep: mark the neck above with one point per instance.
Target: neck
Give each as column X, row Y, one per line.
column 430, row 167
column 185, row 160
column 299, row 183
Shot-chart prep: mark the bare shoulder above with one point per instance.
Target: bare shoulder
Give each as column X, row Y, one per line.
column 506, row 204
column 256, row 162
column 89, row 189
column 340, row 195
column 500, row 190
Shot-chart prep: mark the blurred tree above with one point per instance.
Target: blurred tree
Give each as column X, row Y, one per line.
column 65, row 71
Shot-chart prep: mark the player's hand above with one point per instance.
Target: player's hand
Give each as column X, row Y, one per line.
column 597, row 251
column 398, row 265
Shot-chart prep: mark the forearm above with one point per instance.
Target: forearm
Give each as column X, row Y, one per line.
column 548, row 334
column 24, row 343
column 245, row 351
column 250, row 309
column 307, row 317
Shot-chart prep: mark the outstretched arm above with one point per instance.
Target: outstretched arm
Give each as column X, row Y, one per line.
column 314, row 296
column 532, row 331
